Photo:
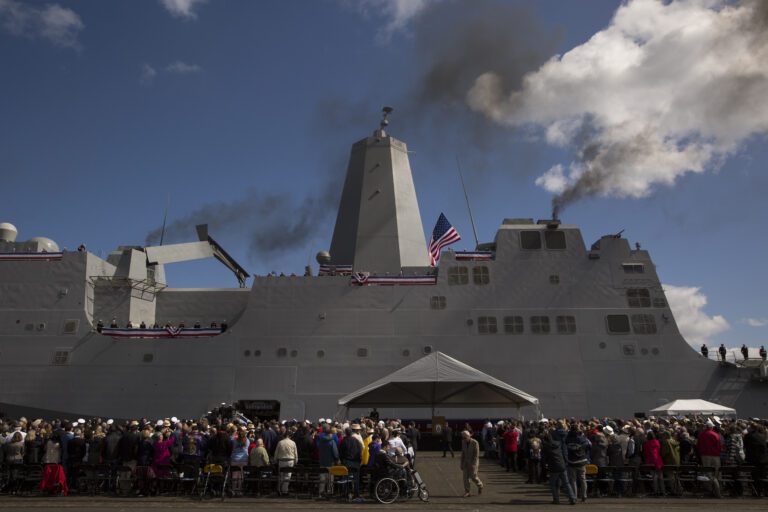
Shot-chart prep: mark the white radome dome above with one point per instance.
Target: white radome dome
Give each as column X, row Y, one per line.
column 45, row 244
column 8, row 232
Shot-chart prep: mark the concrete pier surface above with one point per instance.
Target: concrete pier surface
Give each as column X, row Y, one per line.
column 503, row 491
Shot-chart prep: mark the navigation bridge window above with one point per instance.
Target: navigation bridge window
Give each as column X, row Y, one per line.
column 486, row 325
column 513, row 325
column 530, row 240
column 540, row 324
column 633, row 268
column 437, row 302
column 480, row 275
column 566, row 325
column 458, row 275
column 639, row 298
column 644, row 324
column 554, row 239
column 617, row 324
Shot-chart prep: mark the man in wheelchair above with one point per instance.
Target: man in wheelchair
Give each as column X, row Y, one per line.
column 388, row 466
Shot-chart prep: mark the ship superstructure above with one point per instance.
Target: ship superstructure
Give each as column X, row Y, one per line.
column 585, row 329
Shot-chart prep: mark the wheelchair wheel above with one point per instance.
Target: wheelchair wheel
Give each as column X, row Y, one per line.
column 424, row 494
column 386, row 491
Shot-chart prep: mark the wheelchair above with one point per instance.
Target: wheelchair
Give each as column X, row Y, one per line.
column 402, row 483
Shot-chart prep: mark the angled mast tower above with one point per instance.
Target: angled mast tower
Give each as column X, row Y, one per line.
column 378, row 227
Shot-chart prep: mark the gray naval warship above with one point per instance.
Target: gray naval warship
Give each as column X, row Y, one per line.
column 585, row 329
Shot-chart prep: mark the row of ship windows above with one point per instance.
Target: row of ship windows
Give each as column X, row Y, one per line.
column 636, row 298
column 552, row 240
column 481, row 275
column 566, row 324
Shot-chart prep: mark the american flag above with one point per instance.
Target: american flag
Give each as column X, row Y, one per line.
column 444, row 234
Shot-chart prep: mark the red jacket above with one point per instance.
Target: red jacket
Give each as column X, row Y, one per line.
column 709, row 444
column 510, row 440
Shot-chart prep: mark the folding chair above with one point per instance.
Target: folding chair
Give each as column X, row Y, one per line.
column 708, row 477
column 250, row 480
column 188, row 475
column 167, row 479
column 124, row 481
column 591, row 471
column 605, row 478
column 686, row 477
column 624, row 479
column 643, row 477
column 745, row 479
column 30, row 478
column 341, row 481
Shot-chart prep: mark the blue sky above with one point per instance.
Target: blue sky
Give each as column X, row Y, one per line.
column 110, row 109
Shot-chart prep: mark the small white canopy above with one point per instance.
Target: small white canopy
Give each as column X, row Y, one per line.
column 438, row 380
column 686, row 407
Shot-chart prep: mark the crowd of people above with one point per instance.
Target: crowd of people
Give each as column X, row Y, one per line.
column 152, row 448
column 553, row 451
column 559, row 451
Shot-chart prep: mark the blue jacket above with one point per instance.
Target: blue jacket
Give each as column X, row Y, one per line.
column 327, row 451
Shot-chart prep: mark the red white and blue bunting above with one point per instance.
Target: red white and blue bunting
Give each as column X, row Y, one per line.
column 165, row 332
column 30, row 256
column 365, row 278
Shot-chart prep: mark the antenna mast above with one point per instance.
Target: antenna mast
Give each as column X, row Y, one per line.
column 466, row 198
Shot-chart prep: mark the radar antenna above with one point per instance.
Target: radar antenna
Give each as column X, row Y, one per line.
column 384, row 118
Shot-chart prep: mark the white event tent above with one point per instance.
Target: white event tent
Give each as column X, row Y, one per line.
column 690, row 407
column 438, row 380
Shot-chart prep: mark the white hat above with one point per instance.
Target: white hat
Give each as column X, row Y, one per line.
column 110, row 421
column 321, row 420
column 608, row 430
column 175, row 419
column 500, row 422
column 282, row 422
column 159, row 423
column 488, row 425
column 81, row 421
column 710, row 424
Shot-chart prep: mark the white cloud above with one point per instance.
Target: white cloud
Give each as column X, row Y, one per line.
column 54, row 23
column 756, row 322
column 687, row 304
column 182, row 68
column 667, row 88
column 398, row 13
column 184, row 9
column 148, row 74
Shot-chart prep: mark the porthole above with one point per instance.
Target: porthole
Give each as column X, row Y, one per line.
column 655, row 351
column 257, row 353
column 282, row 352
column 18, row 321
column 406, row 353
column 362, row 352
column 41, row 326
column 247, row 353
column 148, row 358
column 602, row 344
column 427, row 349
column 470, row 322
column 644, row 351
column 321, row 354
column 294, row 353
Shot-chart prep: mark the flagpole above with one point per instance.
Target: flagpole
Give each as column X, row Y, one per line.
column 466, row 198
column 165, row 218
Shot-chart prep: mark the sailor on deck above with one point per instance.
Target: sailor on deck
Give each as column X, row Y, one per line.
column 704, row 351
column 721, row 350
column 745, row 352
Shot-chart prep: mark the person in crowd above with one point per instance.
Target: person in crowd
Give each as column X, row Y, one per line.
column 734, row 446
column 553, row 452
column 33, row 448
column 577, row 449
column 705, row 351
column 259, row 456
column 128, row 445
column 238, row 459
column 652, row 455
column 220, row 447
column 446, row 438
column 599, row 450
column 161, row 453
column 744, row 352
column 470, row 461
column 351, row 455
column 756, row 455
column 76, row 451
column 709, row 447
column 533, row 447
column 722, row 352
column 287, row 456
column 328, row 455
column 763, row 352
column 511, row 437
